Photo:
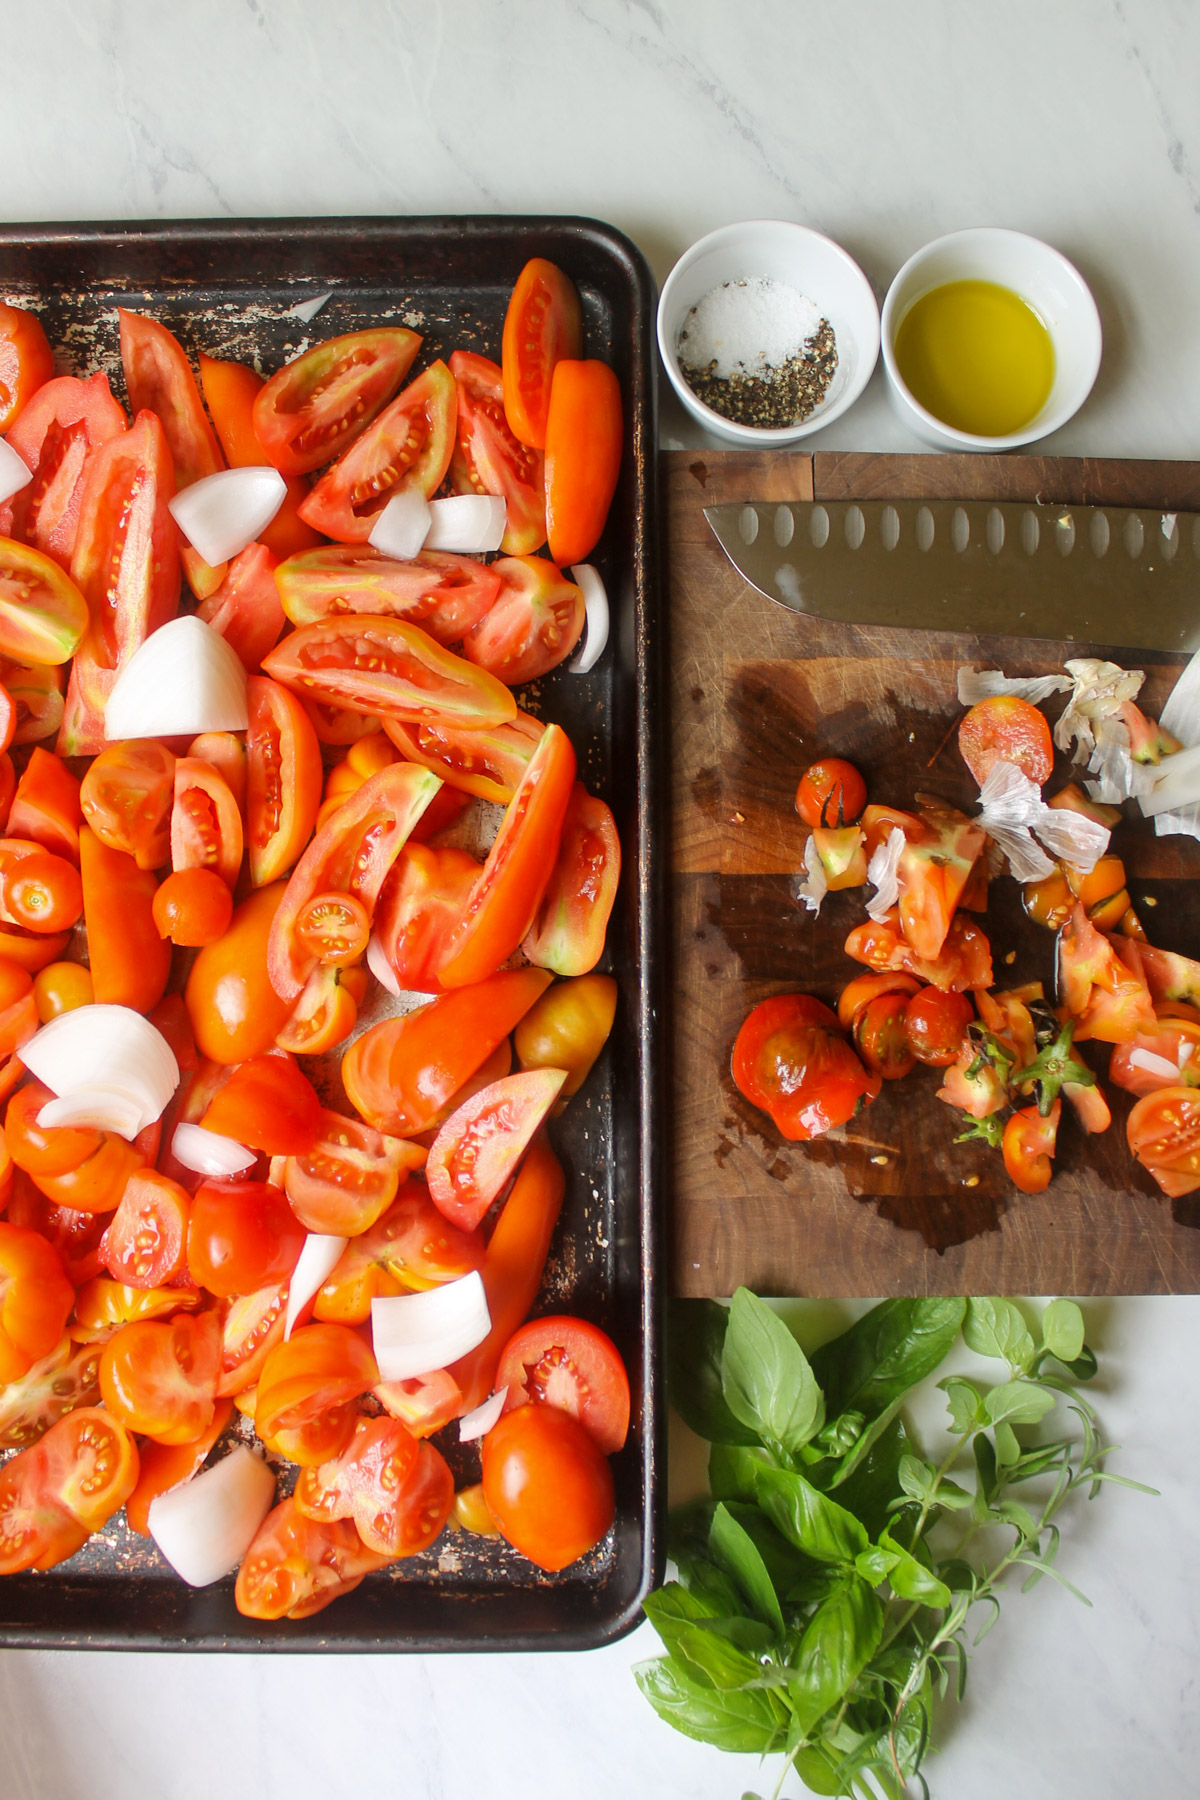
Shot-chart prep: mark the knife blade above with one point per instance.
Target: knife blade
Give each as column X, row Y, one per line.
column 1087, row 574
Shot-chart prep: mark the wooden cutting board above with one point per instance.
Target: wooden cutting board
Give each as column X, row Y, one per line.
column 888, row 1204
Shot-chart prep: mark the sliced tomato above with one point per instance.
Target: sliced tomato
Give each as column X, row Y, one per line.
column 317, row 404
column 490, row 459
column 572, row 919
column 206, row 821
column 126, row 798
column 366, row 1479
column 126, row 564
column 584, row 434
column 283, row 779
column 320, row 1366
column 1163, row 1131
column 541, row 326
column 145, row 1244
column 489, row 764
column 91, row 1464
column 933, row 871
column 963, row 963
column 479, row 1146
column 104, row 1307
column 324, row 1015
column 569, row 1363
column 35, row 1531
column 325, row 1435
column 130, row 962
column 348, row 1177
column 159, row 1377
column 45, row 807
column 37, row 696
column 1006, row 729
column 230, row 390
column 408, row 446
column 34, row 1306
column 422, row 1402
column 1106, row 994
column 193, row 907
column 533, row 624
column 26, row 360
column 335, row 928
column 52, row 1387
column 410, row 1247
column 421, row 902
column 296, row 1566
column 54, row 435
column 166, row 1466
column 443, row 593
column 268, row 1104
column 43, row 615
column 401, row 1072
column 508, row 890
column 251, row 1326
column 1028, row 1146
column 245, row 608
column 241, row 1237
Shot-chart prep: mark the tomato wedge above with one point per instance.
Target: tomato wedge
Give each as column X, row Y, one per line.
column 489, row 764
column 166, row 1466
column 159, row 1377
column 63, row 422
column 230, row 390
column 481, row 1143
column 410, row 1247
column 312, row 408
column 542, row 325
column 46, row 806
column 568, row 933
column 43, row 615
column 409, row 445
column 269, row 1105
column 422, row 1402
column 348, row 1177
column 568, row 1363
column 206, row 821
column 26, row 360
column 398, row 1492
column 421, row 902
column 37, row 695
column 320, row 1367
column 443, row 593
column 490, row 459
column 533, row 625
column 245, row 608
column 509, row 888
column 283, row 779
column 126, row 797
column 130, row 962
column 1006, row 729
column 296, row 1566
column 584, row 433
column 33, row 1299
column 1163, row 1131
column 145, row 1243
column 251, row 1326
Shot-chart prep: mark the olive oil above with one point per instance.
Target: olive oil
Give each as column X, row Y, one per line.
column 977, row 357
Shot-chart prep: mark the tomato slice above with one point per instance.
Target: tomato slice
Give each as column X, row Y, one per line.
column 126, row 564
column 206, row 821
column 421, row 902
column 296, row 1566
column 56, row 1385
column 130, row 962
column 145, row 1244
column 1163, row 1131
column 91, row 1465
column 317, row 404
column 251, row 1326
column 166, row 1466
column 1006, row 729
column 533, row 625
column 35, row 1531
column 401, row 1072
column 348, row 1177
column 323, row 1016
column 443, row 593
column 1103, row 992
column 245, row 608
column 37, row 695
column 318, row 1439
column 489, row 764
column 46, row 806
column 33, row 1300
column 584, row 431
column 103, row 1307
column 335, row 928
column 934, row 868
column 351, row 854
column 410, row 1247
column 126, row 798
column 43, row 615
column 230, row 390
column 963, row 964
column 54, row 434
column 366, row 1478
column 509, row 887
column 320, row 1366
column 565, row 1362
column 541, row 326
column 568, row 933
column 423, row 1402
column 408, row 446
column 26, row 360
column 159, row 1377
column 269, row 1105
column 283, row 779
column 242, row 1237
column 479, row 1146
column 389, row 669
column 489, row 459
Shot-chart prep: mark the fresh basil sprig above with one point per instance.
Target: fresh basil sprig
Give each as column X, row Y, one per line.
column 824, row 1590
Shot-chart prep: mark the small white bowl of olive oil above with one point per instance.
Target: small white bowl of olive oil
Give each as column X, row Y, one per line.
column 990, row 339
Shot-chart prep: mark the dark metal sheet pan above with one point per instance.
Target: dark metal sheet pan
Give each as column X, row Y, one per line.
column 226, row 287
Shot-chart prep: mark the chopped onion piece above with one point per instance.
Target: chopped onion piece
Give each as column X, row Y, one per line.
column 402, row 526
column 1154, row 1064
column 1176, row 783
column 210, row 1152
column 414, row 1334
column 307, row 310
column 380, row 967
column 86, row 1047
column 468, row 523
column 1100, row 690
column 595, row 602
column 220, row 514
column 101, row 1108
column 813, row 889
column 882, row 870
column 476, row 1424
column 205, row 1526
column 183, row 680
column 15, row 472
column 975, row 685
column 319, row 1256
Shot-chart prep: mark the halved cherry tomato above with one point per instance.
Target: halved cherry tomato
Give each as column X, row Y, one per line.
column 34, row 1304
column 251, row 1326
column 283, row 779
column 831, row 793
column 411, row 1247
column 103, row 1307
column 126, row 798
column 92, row 1464
column 334, row 927
column 35, row 1531
column 234, row 1010
column 37, row 696
column 320, row 1366
column 145, row 1244
column 568, row 1363
column 43, row 615
column 1028, row 1146
column 245, row 607
column 295, row 1567
column 46, row 806
column 533, row 625
column 193, row 907
column 421, row 902
column 787, row 1060
column 43, row 1149
column 479, row 1146
column 68, row 1377
column 206, row 822
column 348, row 1176
column 1163, row 1131
column 38, row 890
column 935, row 1022
column 56, row 431
column 443, row 593
column 1006, row 729
column 166, row 1466
column 547, row 1485
column 509, row 888
column 471, row 1512
column 18, row 1012
column 881, row 1039
column 1049, row 901
column 490, row 763
column 230, row 390
column 541, row 326
column 584, row 431
column 422, row 1402
column 365, row 1480
column 130, row 962
column 313, row 407
column 324, row 1015
column 242, row 1236
column 408, row 446
column 160, row 1377
column 323, row 1436
column 572, row 919
column 401, row 1072
column 26, row 360
column 489, row 459
column 567, row 1028
column 269, row 1105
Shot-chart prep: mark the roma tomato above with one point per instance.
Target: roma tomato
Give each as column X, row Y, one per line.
column 411, row 1247
column 490, row 459
column 541, row 327
column 320, row 1366
column 34, row 1303
column 43, row 615
column 283, row 779
column 193, row 907
column 547, row 1485
column 63, row 422
column 565, row 1362
column 26, row 360
column 245, row 607
column 408, row 446
column 242, row 1236
column 489, row 764
column 787, row 1060
column 568, row 1027
column 312, row 408
column 348, row 1176
column 479, row 1146
column 145, row 1244
column 126, row 798
column 572, row 919
column 443, row 593
column 130, row 962
column 206, row 821
column 1006, row 729
column 230, row 390
column 269, row 1105
column 421, row 902
column 584, row 431
column 533, row 624
column 831, row 794
column 234, row 1010
column 160, row 1377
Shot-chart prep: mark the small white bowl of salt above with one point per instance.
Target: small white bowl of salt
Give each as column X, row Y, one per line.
column 768, row 331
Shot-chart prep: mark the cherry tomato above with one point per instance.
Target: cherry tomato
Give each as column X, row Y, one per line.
column 102, row 1306
column 787, row 1061
column 1163, row 1131
column 479, row 1146
column 935, row 1021
column 320, row 1366
column 145, row 1244
column 541, row 326
column 166, row 1466
column 348, row 1176
column 567, row 1363
column 44, row 1149
column 324, row 1015
column 296, row 1566
column 230, row 390
column 318, row 1439
column 584, row 430
column 831, row 793
column 241, row 1236
column 95, row 1184
column 26, row 360
column 34, row 1303
column 126, row 798
column 1006, row 729
column 547, row 1485
column 130, row 962
column 443, row 593
column 64, row 421
column 408, row 446
column 234, row 1010
column 490, row 764
column 39, row 890
column 881, row 1039
column 856, row 994
column 471, row 1511
column 312, row 408
column 568, row 1027
column 366, row 1483
column 489, row 459
column 1048, row 902
column 159, row 1377
column 251, row 1326
column 412, row 1246
column 269, row 1105
column 1028, row 1146
column 193, row 907
column 46, row 806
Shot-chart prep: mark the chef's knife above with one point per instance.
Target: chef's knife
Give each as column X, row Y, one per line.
column 1088, row 574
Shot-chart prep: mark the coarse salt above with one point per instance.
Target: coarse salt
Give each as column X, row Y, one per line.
column 744, row 327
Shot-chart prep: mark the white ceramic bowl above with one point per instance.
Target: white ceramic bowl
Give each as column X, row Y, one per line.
column 1044, row 278
column 779, row 251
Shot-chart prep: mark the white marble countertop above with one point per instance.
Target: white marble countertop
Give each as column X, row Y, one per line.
column 883, row 125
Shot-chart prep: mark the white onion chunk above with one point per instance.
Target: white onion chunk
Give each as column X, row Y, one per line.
column 414, row 1334
column 205, row 1526
column 223, row 513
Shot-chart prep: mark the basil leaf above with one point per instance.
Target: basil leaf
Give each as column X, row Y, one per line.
column 996, row 1328
column 671, row 1607
column 911, row 1579
column 735, row 1551
column 875, row 1482
column 713, row 1589
column 713, row 1659
column 733, row 1470
column 985, row 1468
column 840, row 1639
column 917, row 1478
column 886, row 1353
column 807, row 1518
column 1020, row 1402
column 874, row 1565
column 818, row 1768
column 765, row 1375
column 785, row 1565
column 1062, row 1330
column 732, row 1721
column 695, row 1340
